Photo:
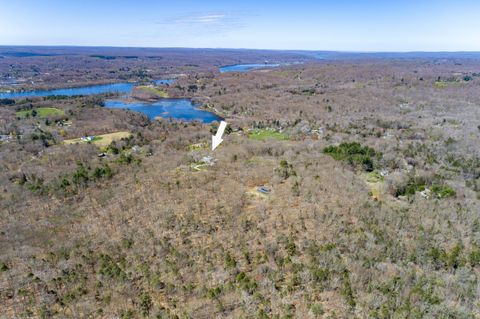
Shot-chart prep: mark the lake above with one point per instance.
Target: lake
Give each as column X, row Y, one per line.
column 246, row 67
column 83, row 90
column 181, row 109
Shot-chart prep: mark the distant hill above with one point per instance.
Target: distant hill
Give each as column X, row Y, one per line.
column 132, row 52
column 339, row 55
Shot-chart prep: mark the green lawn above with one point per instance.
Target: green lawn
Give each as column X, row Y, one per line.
column 263, row 134
column 374, row 177
column 154, row 90
column 41, row 112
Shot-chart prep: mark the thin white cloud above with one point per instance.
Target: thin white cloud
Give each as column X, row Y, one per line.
column 202, row 22
column 204, row 19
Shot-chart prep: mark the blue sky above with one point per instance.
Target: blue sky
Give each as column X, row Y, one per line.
column 347, row 25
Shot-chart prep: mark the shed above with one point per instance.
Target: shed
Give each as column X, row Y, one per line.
column 263, row 190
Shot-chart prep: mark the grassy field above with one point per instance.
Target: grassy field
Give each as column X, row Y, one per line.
column 41, row 112
column 263, row 134
column 154, row 90
column 101, row 140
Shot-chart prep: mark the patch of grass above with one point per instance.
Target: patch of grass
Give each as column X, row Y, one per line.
column 446, row 83
column 374, row 177
column 263, row 134
column 440, row 85
column 197, row 146
column 154, row 90
column 41, row 112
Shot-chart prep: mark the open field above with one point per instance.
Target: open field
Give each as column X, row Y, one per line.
column 372, row 212
column 41, row 112
column 101, row 140
column 158, row 92
column 263, row 134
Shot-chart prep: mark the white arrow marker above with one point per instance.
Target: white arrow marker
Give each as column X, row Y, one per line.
column 217, row 139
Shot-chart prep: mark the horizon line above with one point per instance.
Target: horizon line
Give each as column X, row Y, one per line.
column 231, row 48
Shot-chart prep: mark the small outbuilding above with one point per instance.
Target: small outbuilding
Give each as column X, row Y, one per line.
column 88, row 138
column 264, row 190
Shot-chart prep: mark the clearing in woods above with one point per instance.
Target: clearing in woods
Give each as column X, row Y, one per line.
column 40, row 112
column 101, row 140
